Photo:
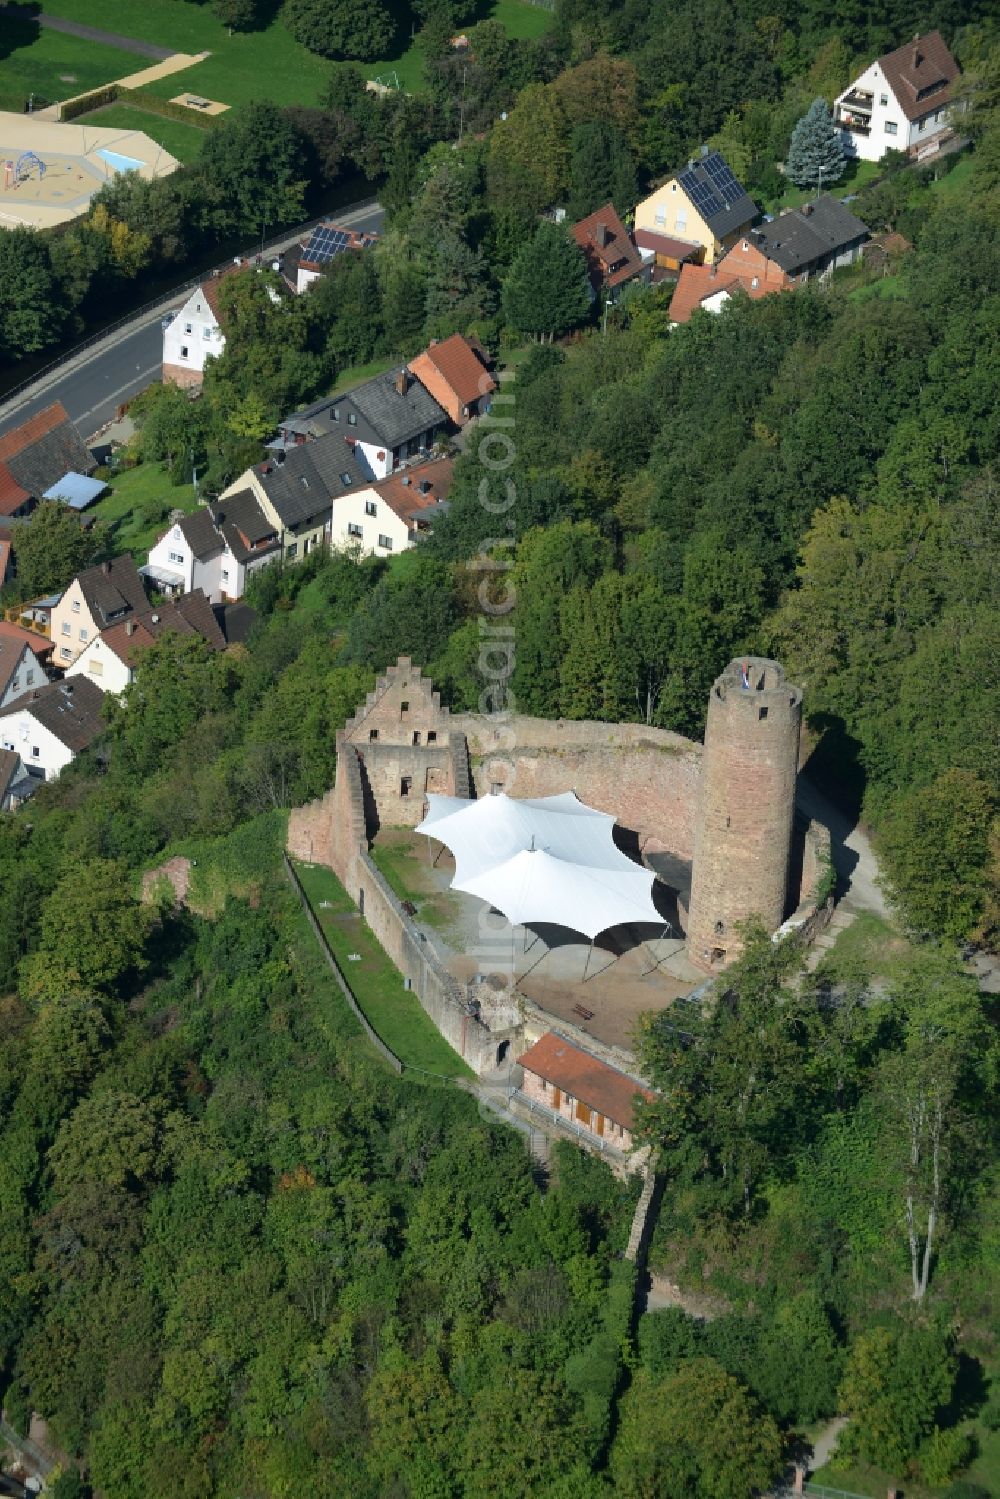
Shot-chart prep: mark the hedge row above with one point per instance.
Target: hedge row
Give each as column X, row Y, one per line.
column 111, row 93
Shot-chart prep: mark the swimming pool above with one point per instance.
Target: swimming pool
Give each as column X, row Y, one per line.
column 118, row 161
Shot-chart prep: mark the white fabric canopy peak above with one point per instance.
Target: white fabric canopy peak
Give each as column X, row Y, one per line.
column 550, row 859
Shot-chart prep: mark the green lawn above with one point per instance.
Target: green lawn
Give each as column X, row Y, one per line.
column 357, row 374
column 403, row 859
column 139, row 507
column 870, row 944
column 858, row 173
column 52, row 66
column 182, row 141
column 376, row 983
column 891, row 288
column 262, row 64
column 957, row 179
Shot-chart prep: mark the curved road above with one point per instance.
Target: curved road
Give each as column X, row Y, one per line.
column 92, row 384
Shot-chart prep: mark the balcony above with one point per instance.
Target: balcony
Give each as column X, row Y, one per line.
column 858, row 99
column 857, row 124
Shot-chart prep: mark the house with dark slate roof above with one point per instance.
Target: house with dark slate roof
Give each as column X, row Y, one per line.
column 98, row 597
column 214, row 550
column 803, row 242
column 49, row 727
column 703, row 206
column 295, row 488
column 386, row 421
column 36, row 455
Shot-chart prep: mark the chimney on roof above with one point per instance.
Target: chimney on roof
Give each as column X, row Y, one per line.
column 106, row 569
column 425, row 486
column 406, row 481
column 154, row 619
column 704, row 149
column 403, row 381
column 917, row 57
column 807, row 209
column 603, row 235
column 130, row 627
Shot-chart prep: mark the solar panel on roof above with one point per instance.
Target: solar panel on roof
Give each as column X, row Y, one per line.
column 325, row 243
column 723, row 179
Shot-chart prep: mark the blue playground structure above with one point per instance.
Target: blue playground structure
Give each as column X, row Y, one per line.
column 25, row 162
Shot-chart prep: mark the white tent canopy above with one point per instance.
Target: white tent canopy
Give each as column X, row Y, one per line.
column 547, row 860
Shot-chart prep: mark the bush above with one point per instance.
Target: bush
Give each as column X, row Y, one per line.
column 17, row 1409
column 944, row 1453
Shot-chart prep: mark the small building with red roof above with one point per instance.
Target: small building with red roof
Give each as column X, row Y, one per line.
column 612, row 259
column 454, row 372
column 391, row 515
column 580, row 1088
column 708, row 288
column 36, row 455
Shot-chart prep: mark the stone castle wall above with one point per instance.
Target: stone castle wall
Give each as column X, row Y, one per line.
column 646, row 778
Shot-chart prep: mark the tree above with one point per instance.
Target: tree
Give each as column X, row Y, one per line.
column 252, row 169
column 602, row 169
column 179, row 680
column 237, row 15
column 547, row 291
column 816, row 153
column 30, row 313
column 896, row 1379
column 696, row 1433
column 352, row 28
column 52, row 547
column 91, row 928
column 936, row 842
column 528, row 162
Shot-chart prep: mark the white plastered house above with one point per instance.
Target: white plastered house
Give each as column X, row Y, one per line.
column 901, row 102
column 49, row 726
column 391, row 515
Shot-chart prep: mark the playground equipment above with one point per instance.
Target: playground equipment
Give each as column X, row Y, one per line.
column 25, row 164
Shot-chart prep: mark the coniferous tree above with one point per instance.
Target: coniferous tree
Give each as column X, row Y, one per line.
column 602, row 169
column 816, row 153
column 547, row 290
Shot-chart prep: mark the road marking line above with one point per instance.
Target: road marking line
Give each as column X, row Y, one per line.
column 120, row 391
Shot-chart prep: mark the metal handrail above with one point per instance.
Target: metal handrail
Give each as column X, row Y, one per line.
column 148, row 308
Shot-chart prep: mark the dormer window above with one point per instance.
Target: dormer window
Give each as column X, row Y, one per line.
column 352, row 420
column 345, row 479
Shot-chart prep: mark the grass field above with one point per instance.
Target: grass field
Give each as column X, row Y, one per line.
column 139, row 506
column 393, row 1012
column 182, row 141
column 53, row 66
column 858, row 173
column 266, row 64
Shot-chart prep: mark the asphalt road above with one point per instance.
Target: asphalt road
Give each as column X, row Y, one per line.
column 94, row 386
column 88, row 33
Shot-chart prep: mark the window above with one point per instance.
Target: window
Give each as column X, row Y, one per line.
column 188, row 328
column 681, row 222
column 206, row 333
column 891, row 128
column 922, row 124
column 416, row 736
column 36, row 753
column 225, row 575
column 432, row 736
column 370, row 507
column 661, row 218
column 335, row 413
column 96, row 667
column 352, row 420
column 404, row 706
column 406, row 785
column 293, row 551
column 176, row 557
column 65, row 652
column 345, row 479
column 353, row 529
column 754, row 281
column 76, row 606
column 386, row 542
column 24, row 732
column 883, row 99
column 372, row 735
column 66, row 628
column 16, row 684
column 83, row 634
column 184, row 351
column 31, row 678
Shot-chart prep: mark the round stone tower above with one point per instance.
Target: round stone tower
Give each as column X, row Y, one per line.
column 746, row 803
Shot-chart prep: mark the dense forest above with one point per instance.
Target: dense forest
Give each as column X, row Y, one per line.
column 239, row 1257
